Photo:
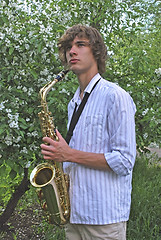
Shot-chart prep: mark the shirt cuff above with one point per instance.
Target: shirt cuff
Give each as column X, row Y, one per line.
column 118, row 163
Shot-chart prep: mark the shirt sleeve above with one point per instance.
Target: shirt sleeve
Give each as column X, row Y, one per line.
column 121, row 127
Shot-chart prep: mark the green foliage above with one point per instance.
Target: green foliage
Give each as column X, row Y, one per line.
column 51, row 232
column 145, row 222
column 28, row 60
column 133, row 67
column 7, row 185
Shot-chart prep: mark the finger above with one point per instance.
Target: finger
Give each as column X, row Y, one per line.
column 46, row 147
column 47, row 157
column 46, row 153
column 48, row 140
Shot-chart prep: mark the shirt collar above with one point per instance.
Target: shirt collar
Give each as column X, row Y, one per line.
column 92, row 83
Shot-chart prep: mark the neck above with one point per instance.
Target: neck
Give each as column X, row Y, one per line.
column 84, row 79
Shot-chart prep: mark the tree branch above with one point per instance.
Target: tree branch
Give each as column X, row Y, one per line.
column 21, row 189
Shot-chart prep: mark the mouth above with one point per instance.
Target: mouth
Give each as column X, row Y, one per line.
column 73, row 61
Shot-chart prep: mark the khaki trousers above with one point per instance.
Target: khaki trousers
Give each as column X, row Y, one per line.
column 114, row 231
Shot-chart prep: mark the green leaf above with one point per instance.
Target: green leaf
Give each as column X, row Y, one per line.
column 40, row 47
column 23, row 126
column 2, row 129
column 12, row 174
column 21, row 133
column 5, row 19
column 22, row 120
column 11, row 50
column 23, row 123
column 34, row 74
column 2, row 169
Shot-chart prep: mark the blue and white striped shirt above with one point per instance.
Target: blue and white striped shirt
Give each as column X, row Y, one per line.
column 106, row 126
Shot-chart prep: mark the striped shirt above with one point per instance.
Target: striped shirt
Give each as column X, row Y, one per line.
column 106, row 126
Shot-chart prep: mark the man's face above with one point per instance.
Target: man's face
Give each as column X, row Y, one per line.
column 79, row 56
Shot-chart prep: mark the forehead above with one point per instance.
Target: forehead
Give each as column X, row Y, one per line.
column 80, row 39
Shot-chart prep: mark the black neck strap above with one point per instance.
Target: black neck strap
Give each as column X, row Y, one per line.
column 76, row 114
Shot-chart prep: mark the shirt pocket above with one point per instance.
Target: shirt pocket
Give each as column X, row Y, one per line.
column 94, row 129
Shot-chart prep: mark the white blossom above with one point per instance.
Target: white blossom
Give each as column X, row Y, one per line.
column 16, row 145
column 33, row 21
column 2, row 105
column 14, row 124
column 22, row 72
column 158, row 72
column 7, row 42
column 145, row 111
column 24, row 150
column 48, row 60
column 34, row 148
column 24, row 89
column 30, row 90
column 3, row 3
column 8, row 140
column 32, row 134
column 2, row 35
column 44, row 72
column 18, row 139
column 13, row 120
column 8, row 110
column 63, row 90
column 28, row 164
column 49, row 78
column 27, row 46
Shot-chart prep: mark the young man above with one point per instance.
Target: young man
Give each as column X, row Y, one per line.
column 101, row 153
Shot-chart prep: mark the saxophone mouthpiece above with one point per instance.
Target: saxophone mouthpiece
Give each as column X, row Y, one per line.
column 61, row 75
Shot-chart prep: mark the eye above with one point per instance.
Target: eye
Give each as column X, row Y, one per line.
column 68, row 47
column 81, row 44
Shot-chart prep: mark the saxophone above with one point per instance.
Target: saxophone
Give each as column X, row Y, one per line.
column 49, row 177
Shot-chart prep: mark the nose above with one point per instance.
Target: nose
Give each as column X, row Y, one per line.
column 72, row 51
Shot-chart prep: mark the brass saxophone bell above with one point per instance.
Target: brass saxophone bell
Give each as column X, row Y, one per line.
column 42, row 175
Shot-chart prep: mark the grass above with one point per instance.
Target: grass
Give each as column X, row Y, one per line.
column 145, row 217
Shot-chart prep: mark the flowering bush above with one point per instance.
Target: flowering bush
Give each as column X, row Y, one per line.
column 29, row 59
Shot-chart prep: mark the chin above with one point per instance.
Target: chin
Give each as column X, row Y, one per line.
column 74, row 69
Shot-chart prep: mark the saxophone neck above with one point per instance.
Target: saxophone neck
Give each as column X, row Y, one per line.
column 44, row 90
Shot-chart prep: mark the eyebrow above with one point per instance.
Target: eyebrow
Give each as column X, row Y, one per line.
column 86, row 42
